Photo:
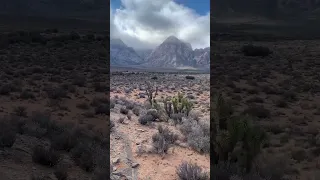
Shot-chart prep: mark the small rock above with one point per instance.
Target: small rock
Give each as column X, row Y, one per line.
column 141, row 130
column 116, row 160
column 134, row 165
column 114, row 168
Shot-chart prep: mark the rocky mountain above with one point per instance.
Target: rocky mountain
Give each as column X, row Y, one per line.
column 144, row 53
column 122, row 55
column 202, row 57
column 171, row 53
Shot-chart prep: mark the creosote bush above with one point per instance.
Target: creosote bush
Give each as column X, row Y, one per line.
column 145, row 119
column 190, row 171
column 163, row 140
column 45, row 156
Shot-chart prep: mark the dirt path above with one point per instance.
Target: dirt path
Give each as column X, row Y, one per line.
column 122, row 153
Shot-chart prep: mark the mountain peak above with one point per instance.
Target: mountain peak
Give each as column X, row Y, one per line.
column 172, row 39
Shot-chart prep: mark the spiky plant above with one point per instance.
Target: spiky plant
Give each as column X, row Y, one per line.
column 151, row 93
column 231, row 130
column 253, row 139
column 168, row 106
column 178, row 104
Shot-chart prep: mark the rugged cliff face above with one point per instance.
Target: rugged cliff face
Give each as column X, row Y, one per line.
column 172, row 53
column 202, row 57
column 122, row 55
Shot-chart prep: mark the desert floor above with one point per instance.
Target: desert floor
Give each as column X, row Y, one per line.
column 132, row 147
column 54, row 105
column 282, row 91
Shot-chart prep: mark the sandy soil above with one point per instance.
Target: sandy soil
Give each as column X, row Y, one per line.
column 151, row 165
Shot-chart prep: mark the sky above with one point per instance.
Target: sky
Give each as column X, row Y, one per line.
column 145, row 24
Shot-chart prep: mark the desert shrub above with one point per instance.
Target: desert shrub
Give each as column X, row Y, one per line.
column 255, row 100
column 45, row 156
column 102, row 174
column 6, row 89
column 27, row 95
column 89, row 114
column 98, row 101
column 189, row 171
column 190, row 77
column 79, row 81
column 102, row 109
column 197, row 133
column 33, row 129
column 112, row 104
column 38, row 177
column 74, row 36
column 136, row 111
column 64, row 141
column 100, row 87
column 177, row 117
column 251, row 50
column 163, row 140
column 55, row 92
column 257, row 111
column 17, row 123
column 186, row 126
column 83, row 156
column 43, row 120
column 121, row 120
column 281, row 103
column 130, row 105
column 61, row 173
column 36, row 37
column 154, row 113
column 7, row 134
column 124, row 110
column 199, row 138
column 145, row 119
column 20, row 111
column 83, row 105
column 290, row 96
column 111, row 124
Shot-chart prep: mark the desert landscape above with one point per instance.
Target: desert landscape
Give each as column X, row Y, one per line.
column 273, row 78
column 54, row 104
column 150, row 141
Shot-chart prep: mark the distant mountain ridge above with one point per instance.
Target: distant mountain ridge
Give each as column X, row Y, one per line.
column 122, row 55
column 171, row 53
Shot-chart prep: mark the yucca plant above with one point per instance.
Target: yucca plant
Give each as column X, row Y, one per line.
column 178, row 104
column 230, row 130
column 151, row 93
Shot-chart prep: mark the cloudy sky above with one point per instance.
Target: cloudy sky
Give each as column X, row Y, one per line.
column 145, row 24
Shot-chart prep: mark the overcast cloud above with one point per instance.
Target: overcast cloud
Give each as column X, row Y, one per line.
column 145, row 24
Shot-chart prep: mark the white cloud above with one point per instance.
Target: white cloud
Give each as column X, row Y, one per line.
column 147, row 23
